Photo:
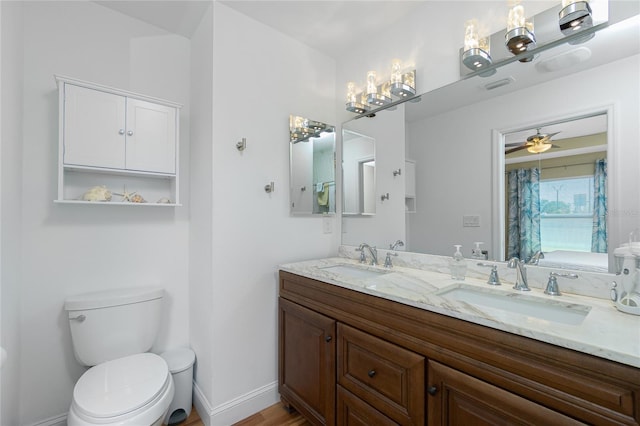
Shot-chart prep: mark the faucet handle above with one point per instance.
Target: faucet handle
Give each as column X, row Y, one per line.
column 387, row 260
column 552, row 285
column 494, row 279
column 363, row 256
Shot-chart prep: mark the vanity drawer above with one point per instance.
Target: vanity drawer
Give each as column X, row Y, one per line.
column 388, row 377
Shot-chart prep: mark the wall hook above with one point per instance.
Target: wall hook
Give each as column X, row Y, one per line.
column 384, row 197
column 304, row 188
column 397, row 172
column 269, row 188
column 240, row 146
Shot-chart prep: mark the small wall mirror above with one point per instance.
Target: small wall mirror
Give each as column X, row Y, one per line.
column 312, row 166
column 359, row 173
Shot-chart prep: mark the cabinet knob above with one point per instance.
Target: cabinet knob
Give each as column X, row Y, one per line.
column 371, row 373
column 130, row 133
column 121, row 132
column 432, row 390
column 327, row 339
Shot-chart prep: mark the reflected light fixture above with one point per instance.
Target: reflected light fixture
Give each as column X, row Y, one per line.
column 475, row 55
column 539, row 147
column 519, row 37
column 375, row 97
column 402, row 84
column 352, row 100
column 575, row 15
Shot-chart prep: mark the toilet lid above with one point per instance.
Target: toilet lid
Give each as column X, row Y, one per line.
column 120, row 386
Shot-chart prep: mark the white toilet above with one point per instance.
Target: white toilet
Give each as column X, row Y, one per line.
column 111, row 331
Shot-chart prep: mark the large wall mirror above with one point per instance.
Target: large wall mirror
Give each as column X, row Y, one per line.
column 312, row 166
column 457, row 136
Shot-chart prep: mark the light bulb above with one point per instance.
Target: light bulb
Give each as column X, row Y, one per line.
column 371, row 83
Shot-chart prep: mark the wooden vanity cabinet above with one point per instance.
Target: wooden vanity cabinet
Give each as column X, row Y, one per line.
column 434, row 369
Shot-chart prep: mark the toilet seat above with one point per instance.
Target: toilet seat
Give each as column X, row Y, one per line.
column 136, row 389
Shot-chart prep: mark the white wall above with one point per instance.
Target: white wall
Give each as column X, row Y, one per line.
column 251, row 231
column 11, row 208
column 447, row 190
column 68, row 249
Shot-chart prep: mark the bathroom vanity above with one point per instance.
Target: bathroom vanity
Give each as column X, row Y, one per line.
column 362, row 345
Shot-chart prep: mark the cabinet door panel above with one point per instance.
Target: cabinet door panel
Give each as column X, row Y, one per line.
column 151, row 137
column 93, row 128
column 352, row 411
column 457, row 399
column 307, row 362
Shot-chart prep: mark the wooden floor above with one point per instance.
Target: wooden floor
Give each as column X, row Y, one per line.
column 276, row 415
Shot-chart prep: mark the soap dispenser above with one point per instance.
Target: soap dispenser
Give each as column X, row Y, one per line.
column 478, row 253
column 458, row 265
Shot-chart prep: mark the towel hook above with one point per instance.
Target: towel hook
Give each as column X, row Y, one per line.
column 397, row 172
column 240, row 146
column 384, row 197
column 269, row 188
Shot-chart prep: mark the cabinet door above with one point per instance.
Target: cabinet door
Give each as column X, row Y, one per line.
column 151, row 137
column 94, row 128
column 307, row 368
column 456, row 399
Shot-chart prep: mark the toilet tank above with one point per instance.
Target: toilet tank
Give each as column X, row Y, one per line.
column 111, row 324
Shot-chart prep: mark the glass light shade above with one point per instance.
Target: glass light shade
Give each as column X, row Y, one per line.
column 351, row 92
column 410, row 79
column 385, row 89
column 516, row 17
column 396, row 71
column 471, row 38
column 371, row 83
column 539, row 147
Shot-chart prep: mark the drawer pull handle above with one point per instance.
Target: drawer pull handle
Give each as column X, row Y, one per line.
column 327, row 339
column 432, row 390
column 371, row 373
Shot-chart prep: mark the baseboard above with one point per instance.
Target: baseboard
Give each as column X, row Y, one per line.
column 60, row 420
column 236, row 409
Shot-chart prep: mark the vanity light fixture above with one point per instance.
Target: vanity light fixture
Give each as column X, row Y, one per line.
column 375, row 97
column 403, row 85
column 399, row 87
column 519, row 37
column 576, row 15
column 352, row 100
column 475, row 54
column 302, row 129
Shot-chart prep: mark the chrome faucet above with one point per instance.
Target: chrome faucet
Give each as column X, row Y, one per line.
column 395, row 245
column 521, row 274
column 372, row 250
column 536, row 257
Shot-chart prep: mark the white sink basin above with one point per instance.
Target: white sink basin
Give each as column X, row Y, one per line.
column 355, row 271
column 522, row 304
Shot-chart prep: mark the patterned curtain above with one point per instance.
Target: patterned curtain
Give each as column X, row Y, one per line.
column 599, row 230
column 524, row 213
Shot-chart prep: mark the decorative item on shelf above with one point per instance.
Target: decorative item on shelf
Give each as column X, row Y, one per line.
column 475, row 55
column 97, row 193
column 164, row 200
column 126, row 195
column 576, row 15
column 519, row 37
column 137, row 198
column 401, row 85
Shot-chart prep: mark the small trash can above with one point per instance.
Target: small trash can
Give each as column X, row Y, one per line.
column 180, row 362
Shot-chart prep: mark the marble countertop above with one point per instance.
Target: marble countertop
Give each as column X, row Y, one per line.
column 604, row 332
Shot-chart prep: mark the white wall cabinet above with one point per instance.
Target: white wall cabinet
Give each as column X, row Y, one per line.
column 122, row 140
